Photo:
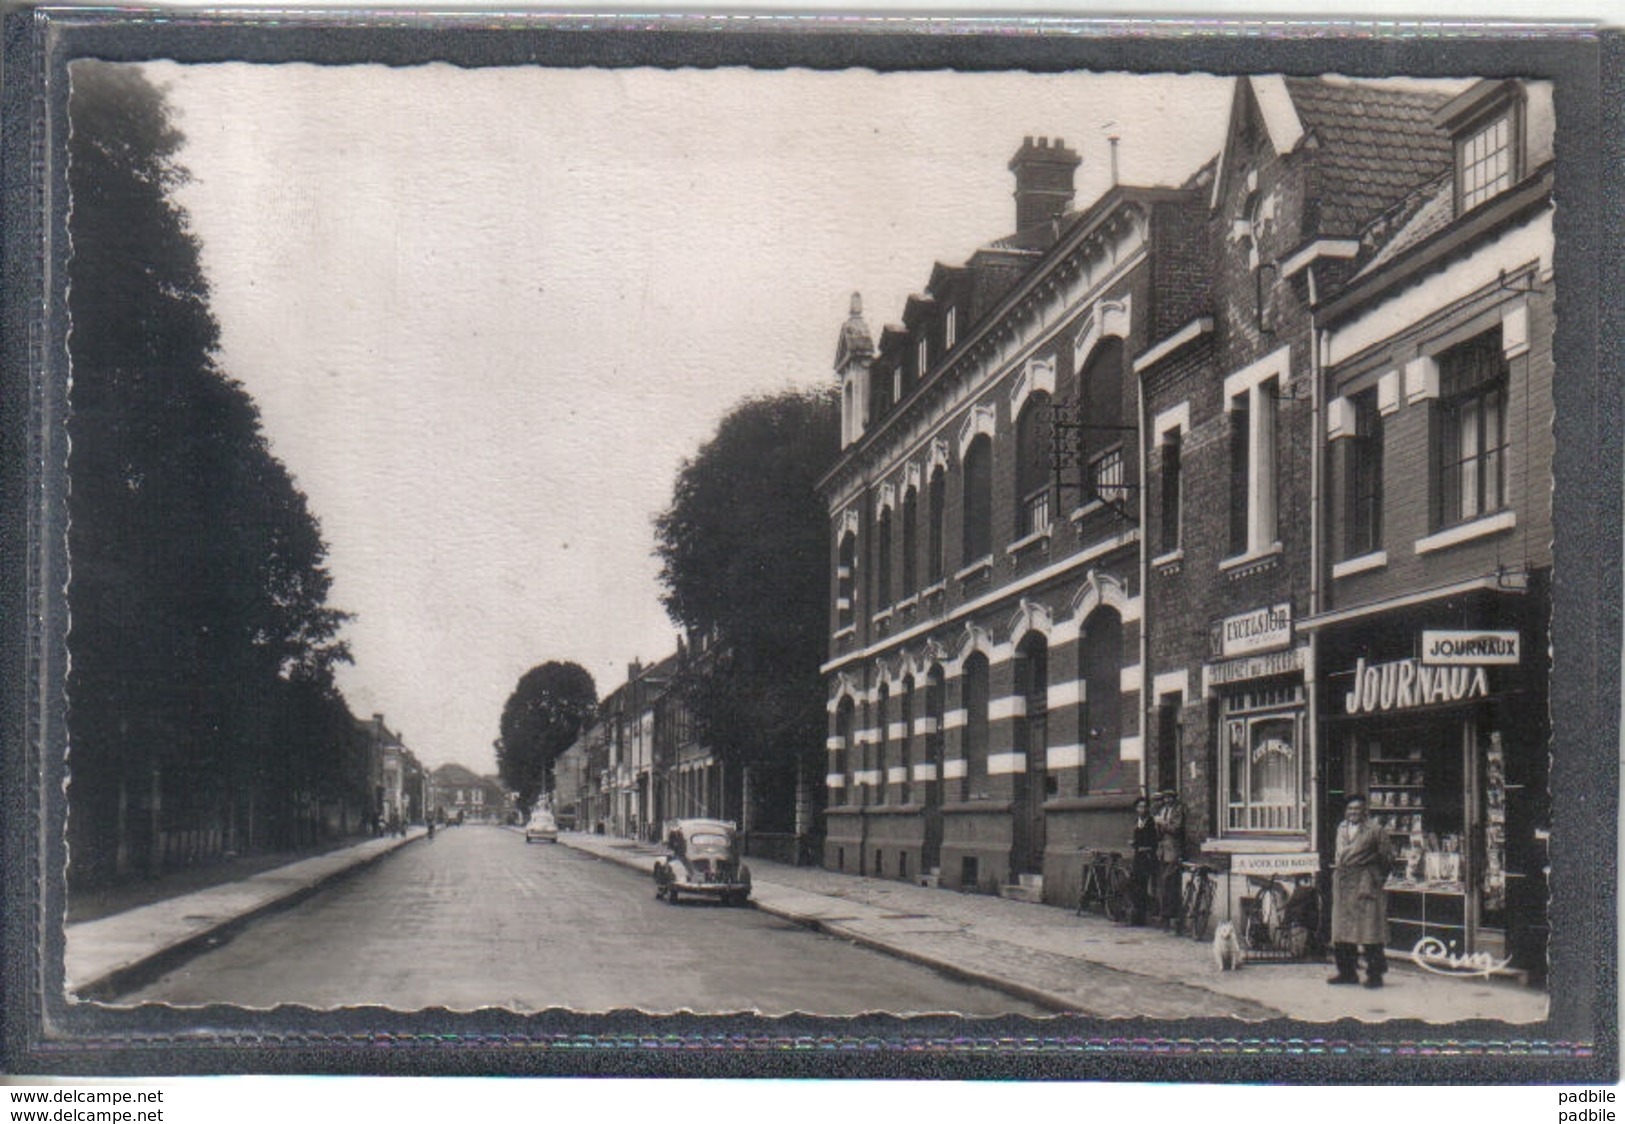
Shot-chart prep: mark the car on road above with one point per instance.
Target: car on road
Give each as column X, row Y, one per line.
column 542, row 826
column 702, row 860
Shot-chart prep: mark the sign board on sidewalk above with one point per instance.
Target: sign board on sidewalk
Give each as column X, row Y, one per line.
column 1276, row 865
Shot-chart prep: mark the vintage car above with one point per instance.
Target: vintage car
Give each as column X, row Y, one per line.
column 542, row 826
column 703, row 860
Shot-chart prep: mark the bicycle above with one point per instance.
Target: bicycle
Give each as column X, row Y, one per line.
column 1106, row 881
column 1196, row 906
column 1280, row 922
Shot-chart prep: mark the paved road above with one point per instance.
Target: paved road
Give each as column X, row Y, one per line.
column 477, row 918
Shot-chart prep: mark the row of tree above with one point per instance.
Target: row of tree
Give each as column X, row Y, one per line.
column 203, row 709
column 743, row 548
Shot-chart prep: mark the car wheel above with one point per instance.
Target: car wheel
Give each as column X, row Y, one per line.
column 671, row 895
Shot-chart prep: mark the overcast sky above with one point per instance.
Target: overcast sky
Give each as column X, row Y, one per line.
column 486, row 314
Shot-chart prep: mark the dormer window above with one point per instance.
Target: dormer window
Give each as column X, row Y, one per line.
column 923, row 358
column 1486, row 123
column 950, row 329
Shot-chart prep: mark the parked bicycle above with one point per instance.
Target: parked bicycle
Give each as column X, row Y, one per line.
column 1281, row 921
column 1106, row 881
column 1196, row 907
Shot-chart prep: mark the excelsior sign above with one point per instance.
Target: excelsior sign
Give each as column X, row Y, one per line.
column 1262, row 630
column 1469, row 649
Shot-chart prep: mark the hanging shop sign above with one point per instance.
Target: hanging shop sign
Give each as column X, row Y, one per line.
column 1403, row 684
column 1259, row 630
column 1277, row 865
column 1443, row 648
column 1253, row 667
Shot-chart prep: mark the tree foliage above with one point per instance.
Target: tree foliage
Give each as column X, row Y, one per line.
column 201, row 639
column 541, row 719
column 744, row 561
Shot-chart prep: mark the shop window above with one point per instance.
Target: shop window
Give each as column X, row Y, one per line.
column 1265, row 779
column 911, row 541
column 1363, row 519
column 1170, row 449
column 936, row 540
column 1032, row 466
column 978, row 505
column 1470, row 431
column 976, row 726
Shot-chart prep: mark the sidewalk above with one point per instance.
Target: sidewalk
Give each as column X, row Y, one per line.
column 118, row 952
column 1086, row 964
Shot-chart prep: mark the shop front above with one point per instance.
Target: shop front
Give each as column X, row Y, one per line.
column 1439, row 722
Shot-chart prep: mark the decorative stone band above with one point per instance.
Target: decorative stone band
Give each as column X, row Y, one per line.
column 897, row 731
column 1063, row 757
column 1011, row 706
column 835, row 780
column 866, row 737
column 925, row 726
column 954, row 720
column 1066, row 694
column 953, row 770
column 897, row 775
column 1001, row 763
column 869, row 777
column 1130, row 680
column 835, row 743
column 925, row 772
column 1131, row 749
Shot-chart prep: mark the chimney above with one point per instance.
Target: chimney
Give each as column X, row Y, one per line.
column 1044, row 171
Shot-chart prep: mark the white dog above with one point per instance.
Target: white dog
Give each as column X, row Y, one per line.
column 1227, row 951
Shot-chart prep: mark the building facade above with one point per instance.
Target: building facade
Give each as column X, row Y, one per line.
column 459, row 794
column 1327, row 359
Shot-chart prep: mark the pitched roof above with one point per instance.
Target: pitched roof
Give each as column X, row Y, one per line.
column 1377, row 144
column 1424, row 213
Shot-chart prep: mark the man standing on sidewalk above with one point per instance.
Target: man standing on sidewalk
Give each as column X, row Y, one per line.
column 1170, row 851
column 1359, row 902
column 1143, row 874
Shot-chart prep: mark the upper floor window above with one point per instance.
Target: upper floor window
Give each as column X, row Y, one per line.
column 978, row 505
column 922, row 358
column 1107, row 479
column 950, row 329
column 1170, row 450
column 845, row 580
column 936, row 540
column 911, row 541
column 1032, row 466
column 1486, row 159
column 883, row 592
column 1252, row 403
column 1363, row 517
column 1470, row 450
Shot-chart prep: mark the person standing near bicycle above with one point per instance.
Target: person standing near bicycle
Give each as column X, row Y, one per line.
column 1170, row 821
column 1143, row 872
column 1359, row 902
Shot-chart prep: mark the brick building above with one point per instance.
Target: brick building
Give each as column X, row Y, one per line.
column 1328, row 357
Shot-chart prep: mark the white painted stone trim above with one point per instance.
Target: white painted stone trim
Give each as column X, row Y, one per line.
column 1172, row 683
column 1064, row 757
column 1000, row 764
column 897, row 731
column 1375, row 560
column 1343, row 248
column 1276, row 365
column 835, row 743
column 1010, row 706
column 1156, row 353
column 1179, row 417
column 1421, row 379
column 1388, row 393
column 869, row 777
column 953, row 770
column 866, row 737
column 1069, row 693
column 1131, row 749
column 1339, row 419
column 898, row 774
column 1132, row 609
column 925, row 772
column 955, row 719
column 1466, row 532
column 1515, row 330
column 1131, row 680
column 924, row 726
column 835, row 780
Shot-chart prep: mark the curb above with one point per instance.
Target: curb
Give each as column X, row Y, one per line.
column 142, row 971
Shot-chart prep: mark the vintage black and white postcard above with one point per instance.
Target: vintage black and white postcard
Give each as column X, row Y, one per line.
column 912, row 541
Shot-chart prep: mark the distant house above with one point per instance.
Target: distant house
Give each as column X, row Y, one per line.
column 458, row 791
column 396, row 775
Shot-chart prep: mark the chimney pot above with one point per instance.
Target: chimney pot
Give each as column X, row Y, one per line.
column 1044, row 181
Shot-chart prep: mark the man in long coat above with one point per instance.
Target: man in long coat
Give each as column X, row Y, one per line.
column 1359, row 902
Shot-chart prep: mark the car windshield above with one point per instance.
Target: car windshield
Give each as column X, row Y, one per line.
column 708, row 841
column 541, row 819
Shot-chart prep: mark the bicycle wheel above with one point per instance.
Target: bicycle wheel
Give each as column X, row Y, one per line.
column 1087, row 891
column 1116, row 902
column 1201, row 910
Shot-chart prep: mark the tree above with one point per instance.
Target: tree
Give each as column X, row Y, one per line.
column 199, row 581
column 541, row 719
column 744, row 562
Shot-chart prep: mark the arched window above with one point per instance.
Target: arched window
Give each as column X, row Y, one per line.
column 1032, row 466
column 1101, row 650
column 978, row 507
column 883, row 561
column 976, row 726
column 881, row 750
column 1032, row 684
column 1100, row 389
column 842, row 764
column 845, row 581
column 936, row 707
column 911, row 542
column 905, row 745
column 936, row 544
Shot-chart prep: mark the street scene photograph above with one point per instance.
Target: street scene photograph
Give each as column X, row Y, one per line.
column 824, row 542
